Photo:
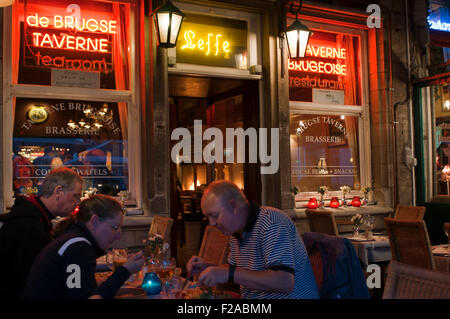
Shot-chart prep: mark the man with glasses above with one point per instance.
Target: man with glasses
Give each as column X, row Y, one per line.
column 28, row 227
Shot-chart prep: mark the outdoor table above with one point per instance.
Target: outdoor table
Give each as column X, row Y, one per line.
column 378, row 250
column 372, row 251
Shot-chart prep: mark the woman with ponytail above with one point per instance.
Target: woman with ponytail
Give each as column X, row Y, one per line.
column 66, row 267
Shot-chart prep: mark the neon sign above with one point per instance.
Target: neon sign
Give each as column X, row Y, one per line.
column 71, row 23
column 438, row 25
column 333, row 68
column 213, row 41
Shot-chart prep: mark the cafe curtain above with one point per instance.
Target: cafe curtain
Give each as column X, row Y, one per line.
column 351, row 98
column 121, row 60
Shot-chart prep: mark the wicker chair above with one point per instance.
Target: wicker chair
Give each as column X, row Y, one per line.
column 215, row 247
column 447, row 230
column 161, row 226
column 321, row 221
column 409, row 242
column 410, row 282
column 409, row 212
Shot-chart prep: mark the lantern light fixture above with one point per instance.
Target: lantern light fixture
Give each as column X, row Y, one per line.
column 6, row 3
column 297, row 37
column 168, row 20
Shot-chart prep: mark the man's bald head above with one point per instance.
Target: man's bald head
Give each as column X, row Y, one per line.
column 224, row 191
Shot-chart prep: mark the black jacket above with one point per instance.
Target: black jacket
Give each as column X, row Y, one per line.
column 66, row 269
column 25, row 231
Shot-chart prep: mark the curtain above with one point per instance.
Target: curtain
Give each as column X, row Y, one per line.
column 121, row 60
column 351, row 98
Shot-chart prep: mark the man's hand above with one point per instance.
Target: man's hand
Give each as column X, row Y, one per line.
column 214, row 275
column 196, row 265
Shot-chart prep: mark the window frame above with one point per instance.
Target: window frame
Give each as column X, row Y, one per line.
column 131, row 97
column 361, row 112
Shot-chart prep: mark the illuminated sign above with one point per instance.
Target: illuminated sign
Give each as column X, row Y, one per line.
column 69, row 42
column 212, row 41
column 315, row 82
column 306, row 65
column 440, row 26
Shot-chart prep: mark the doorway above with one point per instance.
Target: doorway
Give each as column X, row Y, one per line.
column 218, row 103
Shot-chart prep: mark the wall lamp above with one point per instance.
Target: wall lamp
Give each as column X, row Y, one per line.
column 168, row 20
column 297, row 36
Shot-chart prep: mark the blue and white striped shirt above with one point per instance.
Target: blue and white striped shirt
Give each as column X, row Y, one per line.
column 273, row 242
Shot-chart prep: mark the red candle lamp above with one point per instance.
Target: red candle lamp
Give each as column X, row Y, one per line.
column 356, row 202
column 334, row 203
column 312, row 203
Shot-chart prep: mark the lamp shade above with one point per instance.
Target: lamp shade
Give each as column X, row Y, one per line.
column 312, row 203
column 297, row 36
column 168, row 24
column 5, row 3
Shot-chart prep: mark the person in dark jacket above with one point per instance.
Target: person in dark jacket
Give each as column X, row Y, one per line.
column 27, row 228
column 66, row 267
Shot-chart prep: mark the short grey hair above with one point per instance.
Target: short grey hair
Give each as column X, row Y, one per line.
column 226, row 190
column 63, row 176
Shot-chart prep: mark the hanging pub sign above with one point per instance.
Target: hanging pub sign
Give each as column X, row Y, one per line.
column 212, row 41
column 328, row 71
column 72, row 38
column 66, row 119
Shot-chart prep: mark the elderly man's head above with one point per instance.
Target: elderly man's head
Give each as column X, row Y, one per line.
column 61, row 191
column 226, row 207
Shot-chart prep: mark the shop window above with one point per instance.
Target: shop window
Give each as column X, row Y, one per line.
column 59, row 43
column 89, row 137
column 328, row 131
column 330, row 71
column 324, row 151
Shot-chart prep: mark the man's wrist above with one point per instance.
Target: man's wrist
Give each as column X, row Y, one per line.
column 231, row 270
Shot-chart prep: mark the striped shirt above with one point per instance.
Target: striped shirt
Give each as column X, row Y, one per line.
column 272, row 242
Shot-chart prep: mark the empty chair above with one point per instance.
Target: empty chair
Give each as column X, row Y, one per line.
column 215, row 247
column 161, row 226
column 409, row 212
column 447, row 230
column 410, row 282
column 321, row 221
column 409, row 242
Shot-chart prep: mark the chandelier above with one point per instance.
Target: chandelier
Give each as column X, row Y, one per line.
column 93, row 118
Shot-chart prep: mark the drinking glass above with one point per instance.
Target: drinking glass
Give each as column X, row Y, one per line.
column 165, row 269
column 120, row 257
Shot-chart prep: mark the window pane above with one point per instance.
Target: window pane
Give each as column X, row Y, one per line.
column 324, row 151
column 90, row 137
column 74, row 45
column 330, row 72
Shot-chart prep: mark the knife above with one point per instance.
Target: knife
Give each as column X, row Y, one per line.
column 189, row 277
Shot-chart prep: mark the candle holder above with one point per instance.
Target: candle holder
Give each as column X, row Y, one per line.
column 312, row 203
column 334, row 203
column 151, row 283
column 356, row 202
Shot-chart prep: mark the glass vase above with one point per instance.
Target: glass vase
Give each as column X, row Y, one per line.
column 322, row 204
column 356, row 230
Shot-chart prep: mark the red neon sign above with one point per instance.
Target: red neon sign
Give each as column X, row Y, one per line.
column 71, row 23
column 71, row 42
column 306, row 65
